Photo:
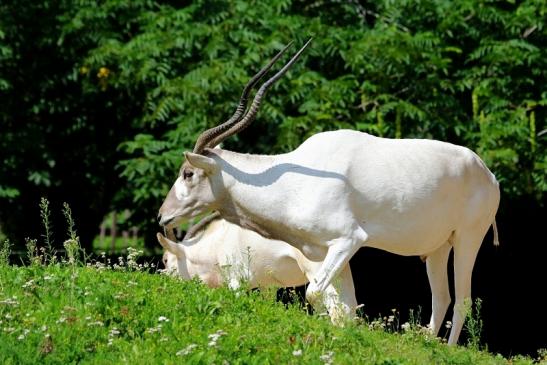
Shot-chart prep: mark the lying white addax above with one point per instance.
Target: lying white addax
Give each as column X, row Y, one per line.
column 221, row 252
column 343, row 190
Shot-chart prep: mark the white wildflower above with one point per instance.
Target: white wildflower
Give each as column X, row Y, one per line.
column 28, row 283
column 448, row 324
column 48, row 277
column 23, row 335
column 154, row 329
column 163, row 319
column 297, row 352
column 10, row 301
column 132, row 255
column 405, row 326
column 114, row 332
column 187, row 350
column 61, row 320
column 96, row 323
column 327, row 358
column 214, row 337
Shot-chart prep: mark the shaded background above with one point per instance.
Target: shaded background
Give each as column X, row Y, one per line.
column 99, row 99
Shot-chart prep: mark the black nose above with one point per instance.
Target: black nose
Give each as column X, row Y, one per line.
column 166, row 222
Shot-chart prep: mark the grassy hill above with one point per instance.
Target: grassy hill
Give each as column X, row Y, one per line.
column 65, row 313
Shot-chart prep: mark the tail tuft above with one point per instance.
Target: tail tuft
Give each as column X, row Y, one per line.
column 496, row 238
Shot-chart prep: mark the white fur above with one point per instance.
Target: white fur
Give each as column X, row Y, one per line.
column 343, row 190
column 181, row 191
column 224, row 253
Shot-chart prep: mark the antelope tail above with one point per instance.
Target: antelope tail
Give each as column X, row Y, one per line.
column 496, row 238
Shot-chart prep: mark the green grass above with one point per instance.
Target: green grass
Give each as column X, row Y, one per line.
column 57, row 311
column 72, row 314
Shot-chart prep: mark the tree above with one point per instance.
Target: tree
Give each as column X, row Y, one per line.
column 469, row 72
column 58, row 140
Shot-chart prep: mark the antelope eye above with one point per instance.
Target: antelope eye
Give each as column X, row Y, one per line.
column 187, row 174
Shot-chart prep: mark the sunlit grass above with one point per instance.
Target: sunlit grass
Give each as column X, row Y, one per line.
column 54, row 314
column 64, row 309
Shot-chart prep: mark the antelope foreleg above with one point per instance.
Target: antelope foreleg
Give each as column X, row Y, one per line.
column 338, row 255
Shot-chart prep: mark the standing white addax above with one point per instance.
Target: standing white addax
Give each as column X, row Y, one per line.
column 343, row 190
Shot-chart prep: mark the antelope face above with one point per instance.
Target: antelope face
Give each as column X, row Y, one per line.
column 192, row 192
column 170, row 263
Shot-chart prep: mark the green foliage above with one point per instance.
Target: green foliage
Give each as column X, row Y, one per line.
column 71, row 230
column 5, row 251
column 56, row 139
column 157, row 74
column 46, row 223
column 408, row 69
column 473, row 323
column 33, row 255
column 52, row 314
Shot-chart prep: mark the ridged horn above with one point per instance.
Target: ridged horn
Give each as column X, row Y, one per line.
column 204, row 140
column 253, row 110
column 195, row 229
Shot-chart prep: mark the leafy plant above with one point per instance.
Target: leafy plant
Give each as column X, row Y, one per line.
column 46, row 223
column 143, row 80
column 473, row 323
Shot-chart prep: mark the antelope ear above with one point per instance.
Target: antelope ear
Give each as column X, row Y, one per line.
column 205, row 163
column 170, row 246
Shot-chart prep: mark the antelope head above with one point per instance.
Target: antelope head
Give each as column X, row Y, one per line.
column 199, row 187
column 175, row 255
